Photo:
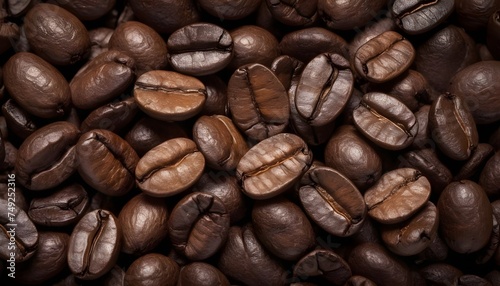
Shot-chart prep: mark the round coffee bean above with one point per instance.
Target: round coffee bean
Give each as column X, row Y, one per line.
column 324, row 263
column 152, row 269
column 419, row 16
column 201, row 274
column 474, row 15
column 170, row 168
column 273, row 165
column 441, row 273
column 398, row 195
column 253, row 44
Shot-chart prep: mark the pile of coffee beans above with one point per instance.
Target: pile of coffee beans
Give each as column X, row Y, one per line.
column 250, row 142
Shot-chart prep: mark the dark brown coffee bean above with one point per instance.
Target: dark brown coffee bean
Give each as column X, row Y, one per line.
column 384, row 57
column 99, row 40
column 332, row 201
column 253, row 44
column 286, row 158
column 293, row 13
column 453, row 127
column 476, row 162
column 436, row 251
column 198, row 226
column 282, row 228
column 472, row 280
column 142, row 43
column 423, row 136
column 106, row 162
column 47, row 157
column 202, row 274
column 102, row 79
column 347, row 15
column 62, row 208
column 113, row 116
column 370, row 31
column 9, row 162
column 386, row 121
column 169, row 96
column 397, row 196
column 258, row 102
column 56, row 35
column 37, row 86
column 152, row 269
column 493, row 37
column 200, row 49
column 479, row 86
column 326, row 264
column 349, row 153
column 305, row 44
column 473, row 16
column 488, row 252
column 18, row 232
column 170, row 168
column 144, row 224
column 418, row 17
column 324, row 88
column 465, row 216
column 288, row 70
column 94, row 245
column 216, row 101
column 19, row 121
column 87, row 10
column 441, row 274
column 244, row 259
column 490, row 175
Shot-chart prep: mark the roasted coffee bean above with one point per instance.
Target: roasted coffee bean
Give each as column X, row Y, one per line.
column 170, row 168
column 479, row 86
column 374, row 262
column 324, row 88
column 233, row 10
column 113, row 117
column 17, row 230
column 102, row 79
column 253, row 44
column 305, row 44
column 227, row 189
column 99, row 40
column 369, row 32
column 198, row 226
column 486, row 253
column 165, row 16
column 474, row 15
column 493, row 36
column 282, row 228
column 397, row 196
column 476, row 162
column 62, row 208
column 441, row 274
column 19, row 121
column 48, row 260
column 9, row 162
column 200, row 49
column 258, row 102
column 427, row 162
column 332, row 201
column 451, row 49
column 423, row 137
column 87, row 10
column 346, row 15
column 293, row 13
column 219, row 141
column 386, row 121
column 244, row 259
column 148, row 133
column 144, row 224
column 273, row 165
column 152, row 269
column 37, row 86
column 472, row 280
column 202, row 274
column 436, row 251
column 452, row 126
column 216, row 101
column 94, row 245
column 418, row 17
column 169, row 96
column 349, row 153
column 106, row 162
column 288, row 70
column 116, row 276
column 47, row 157
column 141, row 43
column 465, row 219
column 414, row 235
column 384, row 57
column 490, row 175
column 56, row 35
column 324, row 263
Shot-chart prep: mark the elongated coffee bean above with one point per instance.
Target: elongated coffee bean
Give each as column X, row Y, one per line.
column 324, row 89
column 94, row 245
column 273, row 165
column 386, row 121
column 384, row 57
column 258, row 101
column 417, row 17
column 452, row 126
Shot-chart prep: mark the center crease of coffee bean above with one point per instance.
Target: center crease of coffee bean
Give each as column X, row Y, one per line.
column 413, row 9
column 405, row 183
column 336, row 207
column 267, row 167
column 380, row 116
column 293, row 6
column 144, row 86
column 154, row 170
column 118, row 157
column 95, row 237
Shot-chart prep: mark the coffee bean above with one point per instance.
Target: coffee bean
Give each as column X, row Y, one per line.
column 386, row 121
column 476, row 162
column 188, row 53
column 202, row 274
column 384, row 57
column 357, row 280
column 253, row 44
column 421, row 16
column 293, row 13
column 347, row 15
column 324, row 263
column 87, row 10
column 441, row 273
column 397, row 196
column 273, row 165
column 332, row 201
column 113, row 117
column 169, row 168
column 152, row 269
column 94, row 245
column 169, row 96
column 20, row 122
column 216, row 101
column 288, row 70
column 474, row 16
column 493, row 34
column 99, row 40
column 490, row 175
